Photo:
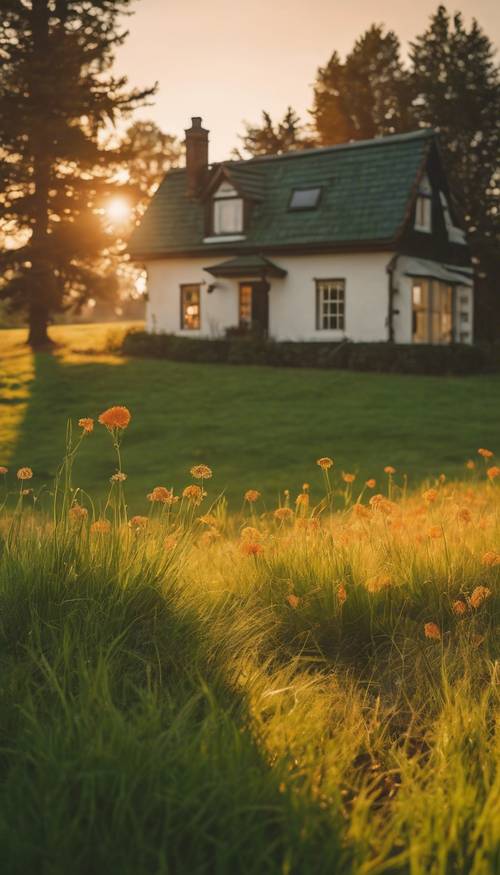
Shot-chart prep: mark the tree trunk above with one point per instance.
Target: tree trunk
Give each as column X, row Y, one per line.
column 38, row 322
column 41, row 272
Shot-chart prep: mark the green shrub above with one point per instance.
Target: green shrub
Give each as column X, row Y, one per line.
column 345, row 355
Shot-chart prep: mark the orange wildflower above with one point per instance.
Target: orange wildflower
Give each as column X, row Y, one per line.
column 139, row 522
column 252, row 495
column 380, row 502
column 163, row 495
column 486, row 454
column 293, row 600
column 435, row 532
column 348, row 478
column 490, row 558
column 361, row 511
column 251, row 533
column 459, row 607
column 201, row 472
column 430, row 495
column 380, row 581
column 493, row 472
column 24, row 474
column 305, row 487
column 302, row 500
column 464, row 515
column 87, row 424
column 100, row 527
column 283, row 513
column 3, row 469
column 77, row 512
column 115, row 417
column 371, row 483
column 325, row 463
column 389, row 469
column 479, row 595
column 311, row 523
column 208, row 519
column 119, row 477
column 341, row 594
column 194, row 493
column 470, row 464
column 432, row 630
column 251, row 548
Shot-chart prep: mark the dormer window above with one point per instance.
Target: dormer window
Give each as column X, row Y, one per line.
column 423, row 207
column 227, row 210
column 304, row 198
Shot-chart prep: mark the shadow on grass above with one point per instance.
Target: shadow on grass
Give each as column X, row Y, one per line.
column 125, row 749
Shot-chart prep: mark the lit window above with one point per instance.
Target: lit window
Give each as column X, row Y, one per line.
column 432, row 312
column 330, row 303
column 245, row 304
column 227, row 210
column 305, row 198
column 190, row 307
column 423, row 207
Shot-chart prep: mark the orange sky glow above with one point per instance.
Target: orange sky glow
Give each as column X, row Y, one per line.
column 227, row 60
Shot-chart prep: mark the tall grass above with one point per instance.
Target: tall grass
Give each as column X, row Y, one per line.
column 304, row 689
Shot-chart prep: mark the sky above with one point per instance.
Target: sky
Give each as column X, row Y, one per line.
column 227, row 60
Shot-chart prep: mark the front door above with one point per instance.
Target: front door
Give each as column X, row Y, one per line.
column 254, row 305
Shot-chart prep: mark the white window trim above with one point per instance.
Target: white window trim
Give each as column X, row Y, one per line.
column 224, row 238
column 324, row 284
column 424, row 200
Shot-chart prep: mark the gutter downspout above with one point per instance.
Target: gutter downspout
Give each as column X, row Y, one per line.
column 391, row 292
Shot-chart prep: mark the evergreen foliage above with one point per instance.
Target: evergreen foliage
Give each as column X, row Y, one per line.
column 57, row 97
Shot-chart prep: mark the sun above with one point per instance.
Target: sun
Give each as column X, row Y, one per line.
column 118, row 210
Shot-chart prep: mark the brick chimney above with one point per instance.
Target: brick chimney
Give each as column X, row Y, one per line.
column 196, row 156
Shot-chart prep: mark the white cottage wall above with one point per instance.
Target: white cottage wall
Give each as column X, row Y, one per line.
column 292, row 300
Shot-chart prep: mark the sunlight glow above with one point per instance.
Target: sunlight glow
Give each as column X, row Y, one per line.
column 118, row 210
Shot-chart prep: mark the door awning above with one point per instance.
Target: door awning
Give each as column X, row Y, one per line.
column 246, row 265
column 452, row 274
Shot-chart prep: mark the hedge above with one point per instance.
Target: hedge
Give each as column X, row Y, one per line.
column 383, row 357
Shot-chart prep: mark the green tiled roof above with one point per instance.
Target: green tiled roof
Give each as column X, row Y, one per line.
column 366, row 188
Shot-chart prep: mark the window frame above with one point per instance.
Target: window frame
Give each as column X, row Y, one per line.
column 320, row 284
column 424, row 200
column 217, row 198
column 434, row 307
column 183, row 288
column 318, row 188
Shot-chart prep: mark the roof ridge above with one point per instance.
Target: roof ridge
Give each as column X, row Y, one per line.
column 422, row 133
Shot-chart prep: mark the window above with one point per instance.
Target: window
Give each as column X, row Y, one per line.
column 432, row 309
column 305, row 198
column 227, row 210
column 330, row 302
column 423, row 207
column 190, row 307
column 245, row 304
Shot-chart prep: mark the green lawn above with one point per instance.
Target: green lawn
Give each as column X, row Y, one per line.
column 255, row 426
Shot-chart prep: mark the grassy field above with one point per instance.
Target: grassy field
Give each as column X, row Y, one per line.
column 267, row 693
column 258, row 427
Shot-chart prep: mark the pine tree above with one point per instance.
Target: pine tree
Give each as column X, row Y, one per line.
column 274, row 139
column 455, row 85
column 364, row 97
column 149, row 153
column 57, row 95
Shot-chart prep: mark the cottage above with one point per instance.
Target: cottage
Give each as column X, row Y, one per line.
column 355, row 241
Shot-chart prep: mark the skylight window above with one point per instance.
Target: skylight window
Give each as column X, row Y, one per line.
column 305, row 198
